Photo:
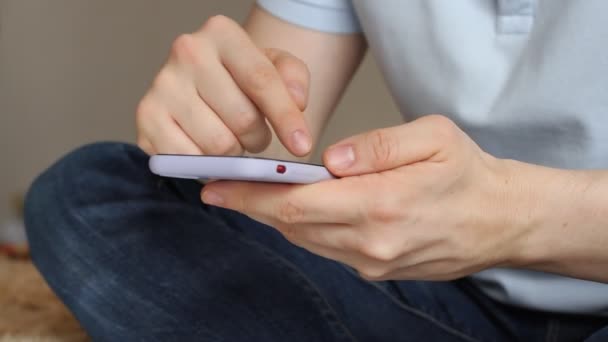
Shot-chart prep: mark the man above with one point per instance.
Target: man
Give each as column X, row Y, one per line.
column 486, row 221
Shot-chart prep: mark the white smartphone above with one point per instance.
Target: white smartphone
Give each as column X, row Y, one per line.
column 237, row 168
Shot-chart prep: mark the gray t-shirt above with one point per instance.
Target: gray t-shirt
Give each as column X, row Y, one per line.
column 526, row 79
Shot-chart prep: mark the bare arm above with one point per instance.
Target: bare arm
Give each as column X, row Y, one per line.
column 331, row 59
column 566, row 215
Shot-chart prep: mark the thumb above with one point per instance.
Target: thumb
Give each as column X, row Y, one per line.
column 294, row 73
column 388, row 148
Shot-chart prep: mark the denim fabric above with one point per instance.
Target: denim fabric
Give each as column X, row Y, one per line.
column 137, row 257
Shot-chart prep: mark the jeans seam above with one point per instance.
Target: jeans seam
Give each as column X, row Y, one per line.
column 424, row 315
column 552, row 331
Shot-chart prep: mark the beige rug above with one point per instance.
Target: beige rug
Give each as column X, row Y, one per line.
column 29, row 311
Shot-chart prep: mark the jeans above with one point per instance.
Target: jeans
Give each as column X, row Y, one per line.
column 137, row 257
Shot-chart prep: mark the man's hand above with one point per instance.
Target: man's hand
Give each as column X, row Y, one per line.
column 216, row 91
column 416, row 201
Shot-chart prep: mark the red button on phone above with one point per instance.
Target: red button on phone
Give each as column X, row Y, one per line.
column 281, row 168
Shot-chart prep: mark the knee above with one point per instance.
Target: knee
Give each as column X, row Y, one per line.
column 73, row 181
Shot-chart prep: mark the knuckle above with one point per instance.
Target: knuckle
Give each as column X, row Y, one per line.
column 443, row 128
column 217, row 23
column 371, row 273
column 290, row 213
column 438, row 119
column 261, row 77
column 144, row 108
column 383, row 211
column 272, row 53
column 295, row 65
column 290, row 232
column 185, row 49
column 245, row 123
column 301, row 68
column 380, row 249
column 164, row 80
column 383, row 147
column 260, row 143
column 224, row 144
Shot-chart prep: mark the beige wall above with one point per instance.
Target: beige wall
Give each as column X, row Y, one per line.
column 71, row 72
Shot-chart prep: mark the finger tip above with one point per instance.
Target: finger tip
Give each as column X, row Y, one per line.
column 212, row 198
column 340, row 159
column 301, row 143
column 325, row 160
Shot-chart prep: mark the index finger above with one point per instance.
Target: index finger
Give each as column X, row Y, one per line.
column 260, row 81
column 331, row 201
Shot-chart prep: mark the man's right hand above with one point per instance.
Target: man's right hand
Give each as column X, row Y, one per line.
column 216, row 91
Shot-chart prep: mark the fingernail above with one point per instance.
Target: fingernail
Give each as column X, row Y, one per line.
column 213, row 198
column 341, row 157
column 301, row 142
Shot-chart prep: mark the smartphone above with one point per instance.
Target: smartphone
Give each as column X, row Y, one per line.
column 237, row 168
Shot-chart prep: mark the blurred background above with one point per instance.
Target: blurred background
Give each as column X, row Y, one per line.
column 72, row 72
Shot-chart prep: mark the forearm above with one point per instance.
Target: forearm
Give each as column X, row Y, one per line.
column 332, row 59
column 564, row 214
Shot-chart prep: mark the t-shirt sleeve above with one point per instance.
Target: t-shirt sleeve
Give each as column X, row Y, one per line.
column 335, row 16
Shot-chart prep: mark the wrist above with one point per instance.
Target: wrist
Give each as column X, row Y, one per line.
column 512, row 217
column 543, row 206
column 521, row 213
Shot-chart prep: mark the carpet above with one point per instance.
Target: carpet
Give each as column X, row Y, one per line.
column 29, row 311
